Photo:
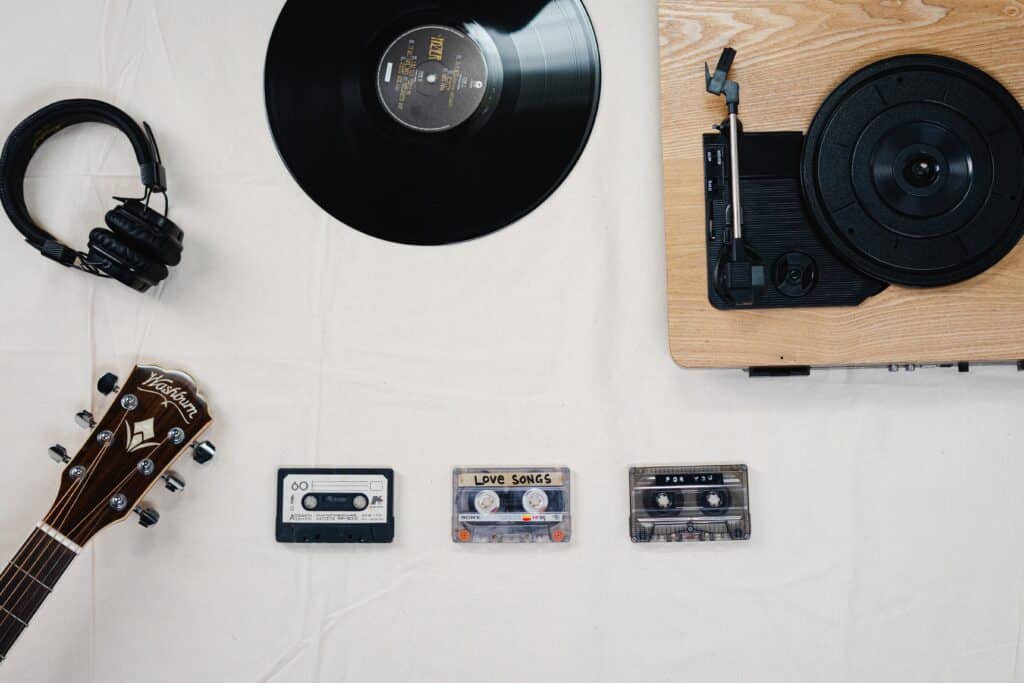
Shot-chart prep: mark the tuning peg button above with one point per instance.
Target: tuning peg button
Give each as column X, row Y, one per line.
column 147, row 517
column 203, row 452
column 108, row 384
column 174, row 482
column 59, row 454
column 85, row 420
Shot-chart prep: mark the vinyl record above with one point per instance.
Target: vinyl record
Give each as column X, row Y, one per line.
column 430, row 122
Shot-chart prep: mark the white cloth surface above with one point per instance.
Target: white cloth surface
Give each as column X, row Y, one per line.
column 887, row 513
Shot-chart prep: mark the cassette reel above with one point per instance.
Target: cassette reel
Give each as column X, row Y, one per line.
column 511, row 505
column 692, row 503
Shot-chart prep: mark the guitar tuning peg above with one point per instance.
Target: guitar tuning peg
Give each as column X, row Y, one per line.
column 59, row 454
column 203, row 452
column 147, row 517
column 174, row 482
column 85, row 420
column 108, row 384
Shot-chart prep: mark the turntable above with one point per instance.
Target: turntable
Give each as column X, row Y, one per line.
column 887, row 234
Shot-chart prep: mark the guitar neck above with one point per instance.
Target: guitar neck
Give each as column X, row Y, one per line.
column 29, row 578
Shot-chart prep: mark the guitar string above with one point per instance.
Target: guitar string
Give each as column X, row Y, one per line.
column 8, row 622
column 40, row 561
column 95, row 511
column 98, row 509
column 60, row 501
column 10, row 566
column 27, row 554
column 32, row 562
column 9, row 617
column 63, row 506
column 90, row 470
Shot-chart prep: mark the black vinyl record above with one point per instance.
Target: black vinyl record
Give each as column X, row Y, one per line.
column 429, row 122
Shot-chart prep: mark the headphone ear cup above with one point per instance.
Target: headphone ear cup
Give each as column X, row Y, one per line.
column 147, row 231
column 108, row 266
column 122, row 262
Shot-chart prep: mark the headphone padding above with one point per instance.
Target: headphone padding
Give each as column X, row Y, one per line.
column 147, row 232
column 142, row 266
column 116, row 270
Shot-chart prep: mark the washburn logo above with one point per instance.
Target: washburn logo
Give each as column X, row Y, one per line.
column 173, row 396
column 139, row 435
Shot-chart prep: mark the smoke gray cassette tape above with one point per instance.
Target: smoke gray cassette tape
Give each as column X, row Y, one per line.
column 511, row 505
column 689, row 503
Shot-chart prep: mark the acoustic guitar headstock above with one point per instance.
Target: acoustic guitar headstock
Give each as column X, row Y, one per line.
column 156, row 416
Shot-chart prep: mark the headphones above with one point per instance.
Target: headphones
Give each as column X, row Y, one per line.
column 139, row 243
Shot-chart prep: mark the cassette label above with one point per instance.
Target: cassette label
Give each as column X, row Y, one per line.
column 491, row 478
column 335, row 499
column 690, row 479
column 689, row 503
column 511, row 505
column 335, row 506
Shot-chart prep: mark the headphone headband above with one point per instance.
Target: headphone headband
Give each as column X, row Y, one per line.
column 31, row 133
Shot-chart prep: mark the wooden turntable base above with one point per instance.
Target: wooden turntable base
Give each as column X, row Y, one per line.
column 791, row 56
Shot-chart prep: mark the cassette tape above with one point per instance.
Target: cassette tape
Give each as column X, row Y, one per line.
column 693, row 503
column 335, row 506
column 511, row 505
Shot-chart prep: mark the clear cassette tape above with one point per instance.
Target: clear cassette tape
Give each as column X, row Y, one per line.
column 511, row 505
column 689, row 503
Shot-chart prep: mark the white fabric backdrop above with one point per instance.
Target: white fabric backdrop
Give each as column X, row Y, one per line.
column 887, row 517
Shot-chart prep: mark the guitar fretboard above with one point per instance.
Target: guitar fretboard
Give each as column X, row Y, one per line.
column 26, row 582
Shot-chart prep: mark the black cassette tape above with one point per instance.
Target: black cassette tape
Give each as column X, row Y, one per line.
column 511, row 505
column 692, row 503
column 335, row 506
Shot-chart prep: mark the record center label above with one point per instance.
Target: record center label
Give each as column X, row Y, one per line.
column 432, row 78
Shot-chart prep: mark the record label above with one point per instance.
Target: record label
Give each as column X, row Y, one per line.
column 432, row 78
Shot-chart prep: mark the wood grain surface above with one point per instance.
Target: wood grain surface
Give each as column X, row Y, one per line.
column 791, row 56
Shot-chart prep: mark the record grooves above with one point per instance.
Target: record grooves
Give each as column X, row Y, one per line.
column 432, row 122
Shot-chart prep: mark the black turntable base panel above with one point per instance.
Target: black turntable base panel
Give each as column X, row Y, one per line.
column 914, row 171
column 912, row 174
column 798, row 265
column 429, row 122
